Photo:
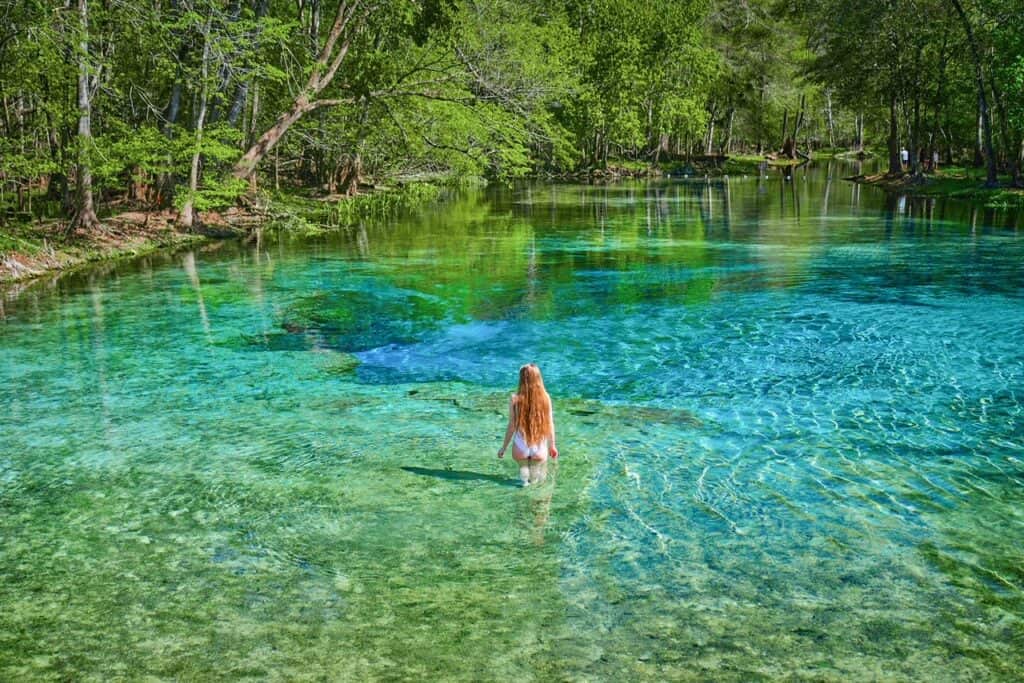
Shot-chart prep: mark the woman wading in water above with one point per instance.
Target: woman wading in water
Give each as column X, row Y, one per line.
column 531, row 427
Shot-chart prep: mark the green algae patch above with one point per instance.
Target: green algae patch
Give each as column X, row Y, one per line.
column 339, row 363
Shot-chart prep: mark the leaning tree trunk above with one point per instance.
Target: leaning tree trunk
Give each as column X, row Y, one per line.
column 323, row 72
column 85, row 212
column 979, row 78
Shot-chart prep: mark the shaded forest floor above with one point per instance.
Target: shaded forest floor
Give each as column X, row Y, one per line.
column 953, row 182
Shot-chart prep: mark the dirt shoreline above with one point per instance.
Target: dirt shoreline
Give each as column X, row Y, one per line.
column 49, row 248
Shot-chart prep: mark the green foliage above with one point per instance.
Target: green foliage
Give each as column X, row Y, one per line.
column 478, row 88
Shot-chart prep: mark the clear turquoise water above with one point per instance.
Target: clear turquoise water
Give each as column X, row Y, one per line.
column 790, row 414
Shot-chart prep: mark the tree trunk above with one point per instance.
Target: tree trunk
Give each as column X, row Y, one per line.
column 789, row 148
column 979, row 77
column 218, row 99
column 979, row 144
column 173, row 107
column 895, row 165
column 1004, row 134
column 1018, row 152
column 260, row 8
column 915, row 140
column 7, row 117
column 799, row 120
column 247, row 164
column 85, row 212
column 166, row 181
column 860, row 133
column 828, row 113
column 727, row 143
column 662, row 147
column 353, row 173
column 939, row 98
column 187, row 216
column 137, row 187
column 709, row 131
column 314, row 25
column 350, row 174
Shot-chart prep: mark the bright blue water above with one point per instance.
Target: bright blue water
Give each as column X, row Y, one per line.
column 790, row 414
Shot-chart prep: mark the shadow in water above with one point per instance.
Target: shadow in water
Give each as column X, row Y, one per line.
column 462, row 475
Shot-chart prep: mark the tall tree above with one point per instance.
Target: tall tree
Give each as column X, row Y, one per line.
column 85, row 212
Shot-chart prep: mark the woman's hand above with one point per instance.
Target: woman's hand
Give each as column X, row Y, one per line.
column 554, row 453
column 501, row 452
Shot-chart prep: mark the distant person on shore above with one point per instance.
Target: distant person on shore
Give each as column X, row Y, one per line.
column 935, row 160
column 904, row 158
column 531, row 427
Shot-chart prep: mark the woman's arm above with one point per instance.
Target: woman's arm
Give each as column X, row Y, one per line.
column 554, row 449
column 511, row 425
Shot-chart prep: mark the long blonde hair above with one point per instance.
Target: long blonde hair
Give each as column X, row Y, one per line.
column 533, row 406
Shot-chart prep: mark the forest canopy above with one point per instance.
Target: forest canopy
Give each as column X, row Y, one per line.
column 191, row 104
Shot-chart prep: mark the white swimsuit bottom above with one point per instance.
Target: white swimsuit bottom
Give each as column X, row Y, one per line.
column 531, row 451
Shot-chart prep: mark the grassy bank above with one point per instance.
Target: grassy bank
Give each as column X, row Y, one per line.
column 29, row 249
column 743, row 164
column 955, row 182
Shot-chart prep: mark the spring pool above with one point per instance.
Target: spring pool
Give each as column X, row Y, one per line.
column 791, row 414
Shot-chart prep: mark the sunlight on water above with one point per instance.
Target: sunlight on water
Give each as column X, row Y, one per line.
column 790, row 415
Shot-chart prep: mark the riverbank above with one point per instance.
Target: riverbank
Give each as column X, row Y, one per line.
column 30, row 250
column 954, row 183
